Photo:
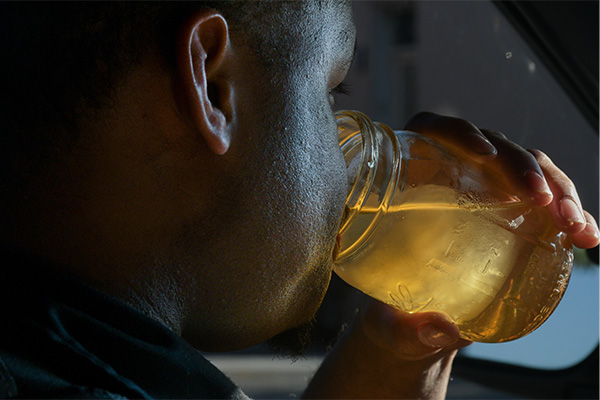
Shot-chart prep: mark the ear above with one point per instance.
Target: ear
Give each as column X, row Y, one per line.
column 203, row 51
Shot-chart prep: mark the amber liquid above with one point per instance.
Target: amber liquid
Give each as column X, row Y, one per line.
column 498, row 272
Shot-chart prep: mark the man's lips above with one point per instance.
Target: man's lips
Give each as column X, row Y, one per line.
column 338, row 239
column 337, row 247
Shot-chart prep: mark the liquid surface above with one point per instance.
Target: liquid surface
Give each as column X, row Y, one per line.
column 498, row 272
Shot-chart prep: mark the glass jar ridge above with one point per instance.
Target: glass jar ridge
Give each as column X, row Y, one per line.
column 373, row 158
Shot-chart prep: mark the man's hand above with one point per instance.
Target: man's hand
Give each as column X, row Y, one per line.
column 388, row 353
column 537, row 180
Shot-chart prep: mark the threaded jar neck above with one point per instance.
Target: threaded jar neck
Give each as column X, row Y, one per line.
column 372, row 153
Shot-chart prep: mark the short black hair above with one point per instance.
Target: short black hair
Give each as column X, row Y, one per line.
column 61, row 60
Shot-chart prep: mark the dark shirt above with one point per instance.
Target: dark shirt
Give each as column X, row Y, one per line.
column 62, row 339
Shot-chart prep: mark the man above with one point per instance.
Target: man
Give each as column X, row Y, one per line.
column 172, row 175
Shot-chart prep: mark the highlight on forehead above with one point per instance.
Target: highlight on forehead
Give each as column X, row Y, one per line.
column 350, row 59
column 279, row 31
column 345, row 42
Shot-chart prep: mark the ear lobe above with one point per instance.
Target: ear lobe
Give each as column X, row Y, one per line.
column 202, row 55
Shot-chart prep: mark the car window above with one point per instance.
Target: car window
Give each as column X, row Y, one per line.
column 464, row 58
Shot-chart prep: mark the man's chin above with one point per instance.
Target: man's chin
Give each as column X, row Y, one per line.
column 294, row 342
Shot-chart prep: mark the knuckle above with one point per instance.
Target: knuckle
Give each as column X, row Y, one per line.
column 420, row 118
column 568, row 182
column 493, row 134
column 540, row 156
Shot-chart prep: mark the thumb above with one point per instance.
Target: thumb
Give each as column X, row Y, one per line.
column 411, row 336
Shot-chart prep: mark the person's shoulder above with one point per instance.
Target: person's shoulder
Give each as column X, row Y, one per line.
column 9, row 390
column 83, row 393
column 8, row 387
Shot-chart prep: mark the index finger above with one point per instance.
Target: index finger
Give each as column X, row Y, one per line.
column 455, row 132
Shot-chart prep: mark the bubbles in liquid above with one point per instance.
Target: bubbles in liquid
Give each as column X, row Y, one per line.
column 498, row 272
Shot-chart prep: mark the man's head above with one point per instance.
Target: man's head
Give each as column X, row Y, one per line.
column 191, row 167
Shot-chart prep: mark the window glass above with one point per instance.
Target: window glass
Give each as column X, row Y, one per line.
column 567, row 337
column 463, row 58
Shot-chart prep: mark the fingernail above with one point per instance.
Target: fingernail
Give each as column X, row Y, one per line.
column 570, row 211
column 431, row 335
column 591, row 230
column 483, row 146
column 536, row 182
